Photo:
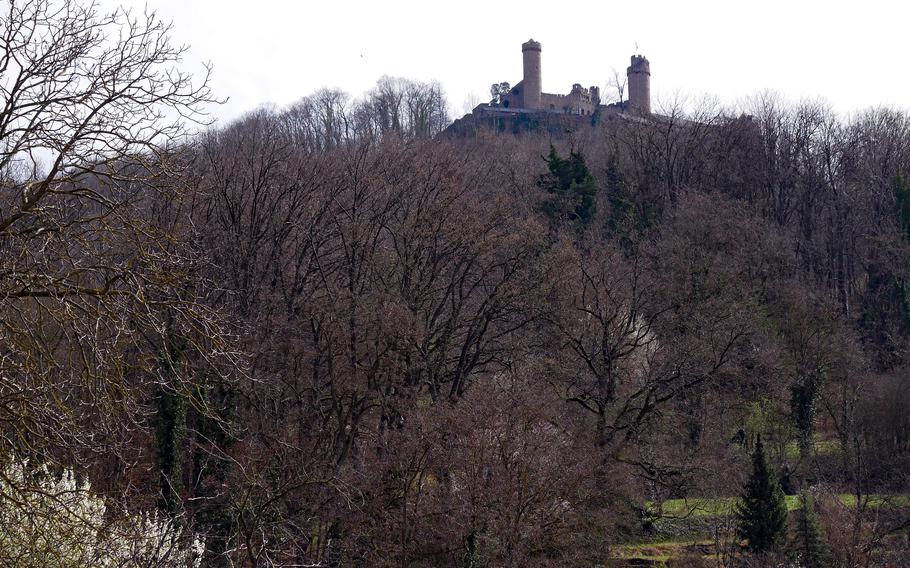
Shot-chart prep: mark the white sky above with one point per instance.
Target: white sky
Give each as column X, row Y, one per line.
column 853, row 54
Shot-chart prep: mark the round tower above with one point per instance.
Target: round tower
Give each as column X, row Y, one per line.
column 639, row 75
column 530, row 52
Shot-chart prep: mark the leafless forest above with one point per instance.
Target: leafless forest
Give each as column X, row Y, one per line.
column 331, row 335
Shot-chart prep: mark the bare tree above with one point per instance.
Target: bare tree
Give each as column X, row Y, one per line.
column 98, row 292
column 617, row 85
column 471, row 100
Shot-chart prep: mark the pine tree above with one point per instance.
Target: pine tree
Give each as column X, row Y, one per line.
column 572, row 188
column 762, row 511
column 622, row 208
column 809, row 544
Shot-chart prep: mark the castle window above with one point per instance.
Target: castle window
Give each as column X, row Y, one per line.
column 505, row 103
column 552, row 107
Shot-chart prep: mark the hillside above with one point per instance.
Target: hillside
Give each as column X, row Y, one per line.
column 329, row 335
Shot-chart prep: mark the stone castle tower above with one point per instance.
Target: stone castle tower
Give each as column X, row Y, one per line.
column 530, row 52
column 639, row 76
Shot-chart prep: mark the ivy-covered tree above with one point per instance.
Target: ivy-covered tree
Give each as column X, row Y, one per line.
column 762, row 511
column 809, row 544
column 902, row 199
column 214, row 440
column 571, row 186
column 804, row 394
column 170, row 428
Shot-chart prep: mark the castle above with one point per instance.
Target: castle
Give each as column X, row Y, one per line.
column 526, row 107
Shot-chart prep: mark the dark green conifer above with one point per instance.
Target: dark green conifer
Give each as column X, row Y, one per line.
column 809, row 544
column 571, row 186
column 762, row 511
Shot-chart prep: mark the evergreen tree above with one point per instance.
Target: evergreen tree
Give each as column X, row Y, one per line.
column 571, row 186
column 809, row 545
column 622, row 208
column 762, row 511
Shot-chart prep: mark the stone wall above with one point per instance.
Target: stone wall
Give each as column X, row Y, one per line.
column 578, row 101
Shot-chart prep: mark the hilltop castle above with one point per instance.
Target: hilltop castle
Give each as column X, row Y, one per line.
column 526, row 107
column 527, row 95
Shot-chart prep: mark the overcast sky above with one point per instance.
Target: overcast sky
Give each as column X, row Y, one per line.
column 853, row 54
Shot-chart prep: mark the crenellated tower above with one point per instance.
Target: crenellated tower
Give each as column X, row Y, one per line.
column 639, row 78
column 530, row 52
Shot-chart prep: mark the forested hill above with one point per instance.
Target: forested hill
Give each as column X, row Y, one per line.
column 325, row 336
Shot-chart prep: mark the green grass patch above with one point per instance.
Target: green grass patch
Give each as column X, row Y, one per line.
column 707, row 507
column 722, row 506
column 875, row 501
column 697, row 507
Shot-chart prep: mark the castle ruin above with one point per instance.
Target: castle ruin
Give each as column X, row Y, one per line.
column 528, row 95
column 525, row 106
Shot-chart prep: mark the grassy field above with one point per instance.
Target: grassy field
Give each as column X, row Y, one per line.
column 718, row 507
column 707, row 507
column 875, row 501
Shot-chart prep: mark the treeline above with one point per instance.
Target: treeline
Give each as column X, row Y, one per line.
column 401, row 108
column 324, row 335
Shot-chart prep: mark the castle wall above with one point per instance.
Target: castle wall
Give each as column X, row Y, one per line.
column 515, row 98
column 578, row 101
